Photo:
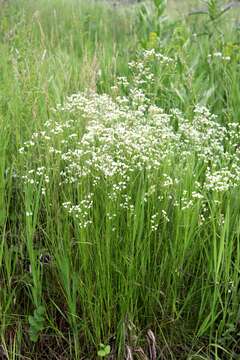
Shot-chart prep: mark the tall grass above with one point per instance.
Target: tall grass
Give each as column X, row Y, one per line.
column 119, row 183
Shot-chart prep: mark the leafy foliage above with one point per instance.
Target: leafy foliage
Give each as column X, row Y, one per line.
column 36, row 323
column 104, row 350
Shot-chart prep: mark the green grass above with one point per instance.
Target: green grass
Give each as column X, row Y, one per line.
column 119, row 206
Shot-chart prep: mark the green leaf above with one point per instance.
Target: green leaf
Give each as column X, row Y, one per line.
column 36, row 323
column 40, row 310
column 104, row 351
column 160, row 5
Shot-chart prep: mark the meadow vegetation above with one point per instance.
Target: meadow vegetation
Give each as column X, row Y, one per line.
column 119, row 181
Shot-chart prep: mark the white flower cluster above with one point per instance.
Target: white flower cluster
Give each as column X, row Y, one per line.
column 99, row 139
column 81, row 210
column 223, row 179
column 219, row 56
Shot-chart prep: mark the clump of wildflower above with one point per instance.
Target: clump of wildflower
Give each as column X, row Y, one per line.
column 218, row 55
column 97, row 139
column 81, row 211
